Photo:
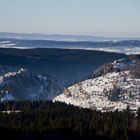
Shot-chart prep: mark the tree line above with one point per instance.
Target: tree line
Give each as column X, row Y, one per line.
column 47, row 120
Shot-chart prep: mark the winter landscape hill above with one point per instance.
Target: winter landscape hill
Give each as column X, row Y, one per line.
column 90, row 79
column 23, row 85
column 113, row 86
column 111, row 83
column 67, row 66
column 40, row 74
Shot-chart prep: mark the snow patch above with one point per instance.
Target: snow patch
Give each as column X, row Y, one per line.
column 7, row 97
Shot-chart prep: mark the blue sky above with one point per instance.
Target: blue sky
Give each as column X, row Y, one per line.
column 119, row 18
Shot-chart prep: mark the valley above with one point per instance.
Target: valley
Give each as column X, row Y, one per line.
column 90, row 79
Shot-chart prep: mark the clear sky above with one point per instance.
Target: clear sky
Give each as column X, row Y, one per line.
column 119, row 18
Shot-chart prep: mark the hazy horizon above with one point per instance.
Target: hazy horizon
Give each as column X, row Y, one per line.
column 81, row 17
column 64, row 34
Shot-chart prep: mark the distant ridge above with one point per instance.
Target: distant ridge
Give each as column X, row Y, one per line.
column 60, row 37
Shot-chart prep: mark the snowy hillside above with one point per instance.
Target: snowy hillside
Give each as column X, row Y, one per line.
column 23, row 85
column 110, row 91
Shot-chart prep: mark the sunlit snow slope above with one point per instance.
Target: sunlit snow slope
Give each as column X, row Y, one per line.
column 109, row 91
